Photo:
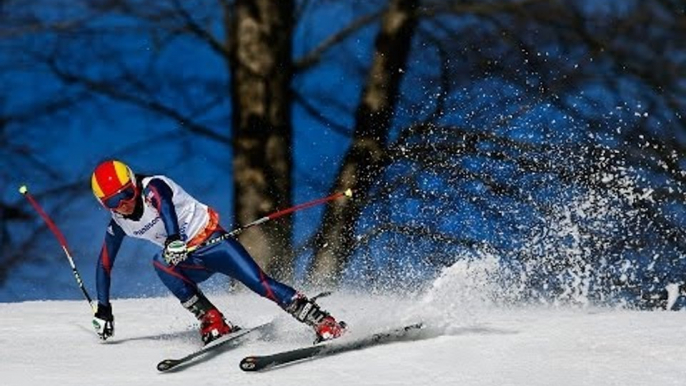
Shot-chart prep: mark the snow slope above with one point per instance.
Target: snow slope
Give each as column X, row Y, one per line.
column 51, row 343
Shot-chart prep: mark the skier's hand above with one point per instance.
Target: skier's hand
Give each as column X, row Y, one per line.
column 103, row 321
column 175, row 252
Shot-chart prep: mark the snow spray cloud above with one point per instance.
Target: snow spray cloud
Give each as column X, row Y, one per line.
column 568, row 223
column 462, row 292
column 606, row 243
column 602, row 240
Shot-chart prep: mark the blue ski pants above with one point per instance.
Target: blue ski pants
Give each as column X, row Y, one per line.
column 228, row 257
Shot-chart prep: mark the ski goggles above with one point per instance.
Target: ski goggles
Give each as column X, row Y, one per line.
column 123, row 196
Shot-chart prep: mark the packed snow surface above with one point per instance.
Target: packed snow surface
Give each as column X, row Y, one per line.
column 52, row 343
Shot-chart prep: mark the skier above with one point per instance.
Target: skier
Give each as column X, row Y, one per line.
column 194, row 247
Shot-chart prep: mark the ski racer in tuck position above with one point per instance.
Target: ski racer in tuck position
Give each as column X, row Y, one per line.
column 156, row 209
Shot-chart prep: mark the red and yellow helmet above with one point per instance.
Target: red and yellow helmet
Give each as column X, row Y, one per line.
column 114, row 184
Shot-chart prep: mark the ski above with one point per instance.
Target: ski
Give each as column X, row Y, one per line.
column 257, row 363
column 169, row 364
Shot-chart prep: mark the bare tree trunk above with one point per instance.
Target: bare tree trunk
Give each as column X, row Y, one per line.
column 365, row 160
column 261, row 71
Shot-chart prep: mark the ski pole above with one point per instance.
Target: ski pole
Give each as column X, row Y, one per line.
column 348, row 193
column 60, row 238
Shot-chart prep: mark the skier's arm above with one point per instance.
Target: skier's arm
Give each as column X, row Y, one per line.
column 160, row 195
column 108, row 253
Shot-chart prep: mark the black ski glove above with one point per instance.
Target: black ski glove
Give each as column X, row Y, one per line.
column 103, row 321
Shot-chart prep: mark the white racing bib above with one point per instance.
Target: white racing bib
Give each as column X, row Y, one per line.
column 193, row 216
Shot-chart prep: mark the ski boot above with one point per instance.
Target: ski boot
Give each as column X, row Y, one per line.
column 213, row 325
column 212, row 322
column 307, row 311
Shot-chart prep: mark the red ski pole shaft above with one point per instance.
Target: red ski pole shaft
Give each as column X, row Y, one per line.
column 60, row 238
column 281, row 213
column 348, row 193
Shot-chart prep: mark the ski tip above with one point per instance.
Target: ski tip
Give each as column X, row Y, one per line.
column 348, row 193
column 167, row 364
column 249, row 364
column 23, row 189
